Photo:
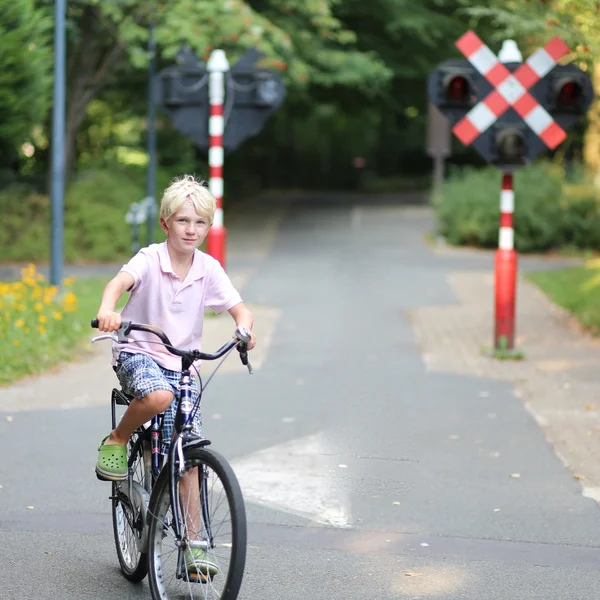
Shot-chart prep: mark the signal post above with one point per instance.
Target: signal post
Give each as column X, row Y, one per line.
column 510, row 112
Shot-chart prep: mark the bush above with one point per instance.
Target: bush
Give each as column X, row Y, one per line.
column 94, row 223
column 95, row 208
column 548, row 213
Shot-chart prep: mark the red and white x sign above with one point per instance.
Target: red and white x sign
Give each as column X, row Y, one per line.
column 511, row 90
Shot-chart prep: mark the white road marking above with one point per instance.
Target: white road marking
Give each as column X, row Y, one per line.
column 294, row 477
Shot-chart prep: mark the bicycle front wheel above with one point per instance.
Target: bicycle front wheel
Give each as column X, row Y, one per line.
column 209, row 560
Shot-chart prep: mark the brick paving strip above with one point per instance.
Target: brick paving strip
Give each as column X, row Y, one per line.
column 559, row 380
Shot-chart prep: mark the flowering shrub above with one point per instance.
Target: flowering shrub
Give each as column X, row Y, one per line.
column 38, row 324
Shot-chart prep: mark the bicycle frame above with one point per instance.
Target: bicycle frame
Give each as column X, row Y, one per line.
column 182, row 433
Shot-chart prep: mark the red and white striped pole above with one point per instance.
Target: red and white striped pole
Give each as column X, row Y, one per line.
column 216, row 66
column 505, row 270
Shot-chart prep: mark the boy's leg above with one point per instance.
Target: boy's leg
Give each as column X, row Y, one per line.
column 137, row 413
column 142, row 378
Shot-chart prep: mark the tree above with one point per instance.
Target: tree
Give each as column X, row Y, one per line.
column 25, row 73
column 301, row 37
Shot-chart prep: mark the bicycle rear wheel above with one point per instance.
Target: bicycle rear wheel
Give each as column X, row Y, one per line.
column 212, row 518
column 129, row 511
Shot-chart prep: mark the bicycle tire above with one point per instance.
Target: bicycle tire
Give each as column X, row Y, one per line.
column 160, row 498
column 133, row 569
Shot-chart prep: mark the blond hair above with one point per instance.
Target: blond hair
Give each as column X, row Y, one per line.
column 187, row 188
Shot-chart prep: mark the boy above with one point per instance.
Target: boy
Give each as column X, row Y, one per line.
column 171, row 284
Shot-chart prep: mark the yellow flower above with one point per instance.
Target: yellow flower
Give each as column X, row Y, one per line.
column 41, row 329
column 19, row 322
column 70, row 302
column 16, row 343
column 38, row 306
column 43, row 319
column 57, row 316
column 69, row 281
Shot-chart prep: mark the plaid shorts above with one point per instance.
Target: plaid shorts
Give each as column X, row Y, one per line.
column 139, row 375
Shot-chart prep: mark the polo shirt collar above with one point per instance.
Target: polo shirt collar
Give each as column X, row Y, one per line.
column 197, row 271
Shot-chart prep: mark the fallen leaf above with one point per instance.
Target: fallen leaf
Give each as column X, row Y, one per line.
column 590, row 406
column 30, row 508
column 396, row 503
column 343, row 466
column 409, row 574
column 496, row 510
column 424, row 544
column 576, row 476
column 9, row 419
column 515, row 475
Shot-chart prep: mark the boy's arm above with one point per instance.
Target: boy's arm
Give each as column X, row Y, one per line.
column 108, row 319
column 244, row 318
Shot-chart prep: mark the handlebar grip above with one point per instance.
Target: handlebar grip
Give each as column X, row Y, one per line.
column 94, row 323
column 243, row 350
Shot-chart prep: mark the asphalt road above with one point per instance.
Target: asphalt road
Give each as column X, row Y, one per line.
column 365, row 476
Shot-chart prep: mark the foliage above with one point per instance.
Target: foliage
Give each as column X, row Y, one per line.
column 25, row 69
column 548, row 214
column 577, row 289
column 534, row 22
column 94, row 226
column 39, row 324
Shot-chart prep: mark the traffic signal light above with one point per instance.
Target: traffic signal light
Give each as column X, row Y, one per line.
column 269, row 90
column 509, row 145
column 457, row 91
column 569, row 90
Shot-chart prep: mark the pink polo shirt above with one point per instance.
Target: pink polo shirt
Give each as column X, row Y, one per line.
column 160, row 298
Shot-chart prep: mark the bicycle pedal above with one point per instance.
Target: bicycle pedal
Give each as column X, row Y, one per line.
column 198, row 578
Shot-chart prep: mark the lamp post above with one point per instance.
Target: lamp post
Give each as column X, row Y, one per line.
column 58, row 146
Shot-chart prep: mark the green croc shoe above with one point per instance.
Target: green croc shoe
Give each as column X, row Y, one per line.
column 112, row 462
column 197, row 562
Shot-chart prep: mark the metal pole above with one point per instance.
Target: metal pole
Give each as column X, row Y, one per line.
column 505, row 270
column 438, row 172
column 58, row 146
column 217, row 66
column 151, row 171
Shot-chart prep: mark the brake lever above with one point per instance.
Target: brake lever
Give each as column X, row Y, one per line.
column 105, row 336
column 243, row 350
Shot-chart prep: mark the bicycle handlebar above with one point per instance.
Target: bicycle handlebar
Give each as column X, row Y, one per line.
column 241, row 339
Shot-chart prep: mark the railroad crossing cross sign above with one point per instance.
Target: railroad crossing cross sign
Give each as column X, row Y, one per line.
column 510, row 112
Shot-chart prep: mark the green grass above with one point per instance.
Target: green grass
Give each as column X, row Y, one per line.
column 31, row 352
column 26, row 349
column 577, row 289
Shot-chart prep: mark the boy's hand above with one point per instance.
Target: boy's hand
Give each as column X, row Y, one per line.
column 108, row 320
column 252, row 341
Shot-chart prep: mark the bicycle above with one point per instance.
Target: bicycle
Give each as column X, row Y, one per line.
column 148, row 506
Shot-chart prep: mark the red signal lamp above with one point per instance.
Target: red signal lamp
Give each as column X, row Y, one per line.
column 457, row 90
column 569, row 94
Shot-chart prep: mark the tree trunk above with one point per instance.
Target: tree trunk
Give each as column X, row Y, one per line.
column 591, row 148
column 89, row 63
